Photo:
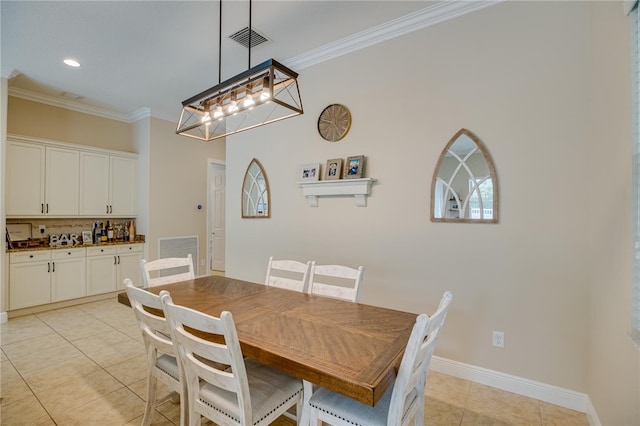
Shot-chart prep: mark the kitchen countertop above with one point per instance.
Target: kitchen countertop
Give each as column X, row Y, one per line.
column 116, row 243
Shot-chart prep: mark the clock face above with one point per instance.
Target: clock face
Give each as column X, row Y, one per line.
column 334, row 122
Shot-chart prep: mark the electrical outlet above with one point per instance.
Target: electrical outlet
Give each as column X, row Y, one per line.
column 498, row 339
column 42, row 229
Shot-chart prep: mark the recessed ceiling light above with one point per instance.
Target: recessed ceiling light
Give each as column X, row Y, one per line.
column 72, row 62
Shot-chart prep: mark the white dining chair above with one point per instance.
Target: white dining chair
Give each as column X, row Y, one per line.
column 288, row 274
column 162, row 361
column 167, row 270
column 337, row 281
column 401, row 403
column 247, row 393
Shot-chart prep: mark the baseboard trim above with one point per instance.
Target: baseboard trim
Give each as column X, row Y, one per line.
column 3, row 317
column 529, row 388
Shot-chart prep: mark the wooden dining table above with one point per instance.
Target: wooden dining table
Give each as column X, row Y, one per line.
column 350, row 348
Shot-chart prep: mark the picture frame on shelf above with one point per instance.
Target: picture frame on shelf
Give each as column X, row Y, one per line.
column 86, row 237
column 333, row 169
column 354, row 168
column 310, row 172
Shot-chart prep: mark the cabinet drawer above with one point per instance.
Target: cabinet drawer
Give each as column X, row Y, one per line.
column 130, row 248
column 100, row 251
column 68, row 253
column 29, row 256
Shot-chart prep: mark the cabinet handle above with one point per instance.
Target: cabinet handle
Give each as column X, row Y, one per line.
column 115, row 262
column 118, row 260
column 110, row 209
column 107, row 209
column 42, row 208
column 47, row 208
column 48, row 267
column 30, row 256
column 54, row 267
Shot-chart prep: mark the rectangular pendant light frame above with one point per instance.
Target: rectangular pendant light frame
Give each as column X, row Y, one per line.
column 199, row 117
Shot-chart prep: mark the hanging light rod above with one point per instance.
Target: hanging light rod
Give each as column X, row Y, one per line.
column 264, row 94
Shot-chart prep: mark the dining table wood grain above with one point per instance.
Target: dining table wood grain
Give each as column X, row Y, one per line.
column 350, row 348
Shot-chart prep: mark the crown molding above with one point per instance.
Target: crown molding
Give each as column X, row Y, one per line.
column 432, row 15
column 67, row 104
column 9, row 73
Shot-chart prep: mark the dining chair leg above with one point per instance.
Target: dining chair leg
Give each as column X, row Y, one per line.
column 151, row 399
column 306, row 395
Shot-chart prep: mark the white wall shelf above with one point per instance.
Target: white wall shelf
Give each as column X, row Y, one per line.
column 359, row 188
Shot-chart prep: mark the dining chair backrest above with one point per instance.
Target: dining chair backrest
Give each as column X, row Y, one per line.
column 414, row 366
column 337, row 281
column 218, row 381
column 167, row 270
column 288, row 274
column 405, row 400
column 161, row 352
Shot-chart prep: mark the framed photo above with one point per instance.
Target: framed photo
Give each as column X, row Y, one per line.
column 310, row 172
column 333, row 169
column 86, row 237
column 354, row 169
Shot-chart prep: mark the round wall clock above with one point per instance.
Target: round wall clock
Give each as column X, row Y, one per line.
column 334, row 122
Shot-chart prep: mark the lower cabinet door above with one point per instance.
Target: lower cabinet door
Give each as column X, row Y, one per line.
column 68, row 278
column 129, row 267
column 101, row 274
column 29, row 284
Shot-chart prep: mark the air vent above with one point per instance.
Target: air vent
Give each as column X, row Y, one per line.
column 242, row 37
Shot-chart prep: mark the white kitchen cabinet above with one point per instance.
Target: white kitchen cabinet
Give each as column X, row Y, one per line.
column 107, row 266
column 107, row 184
column 62, row 181
column 129, row 257
column 123, row 183
column 29, row 279
column 101, row 270
column 25, row 179
column 44, row 276
column 68, row 274
column 41, row 180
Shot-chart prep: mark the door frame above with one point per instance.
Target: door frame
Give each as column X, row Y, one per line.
column 211, row 162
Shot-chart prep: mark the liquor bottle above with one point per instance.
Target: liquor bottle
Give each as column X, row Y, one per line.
column 132, row 231
column 125, row 231
column 103, row 233
column 95, row 233
column 109, row 232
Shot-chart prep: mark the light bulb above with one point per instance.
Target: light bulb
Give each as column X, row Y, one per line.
column 248, row 101
column 218, row 113
column 206, row 118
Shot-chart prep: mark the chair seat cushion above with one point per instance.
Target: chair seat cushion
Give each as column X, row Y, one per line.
column 355, row 412
column 268, row 388
column 168, row 364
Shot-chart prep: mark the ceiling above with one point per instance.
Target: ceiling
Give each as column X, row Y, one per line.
column 151, row 55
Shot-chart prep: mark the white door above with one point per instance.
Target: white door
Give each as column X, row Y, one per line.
column 216, row 216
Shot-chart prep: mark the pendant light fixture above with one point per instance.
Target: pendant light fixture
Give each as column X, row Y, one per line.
column 264, row 94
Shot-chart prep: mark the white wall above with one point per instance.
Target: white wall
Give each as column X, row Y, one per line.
column 612, row 369
column 517, row 75
column 177, row 185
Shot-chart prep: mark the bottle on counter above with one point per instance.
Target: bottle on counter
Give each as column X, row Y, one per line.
column 109, row 232
column 132, row 231
column 96, row 233
column 103, row 233
column 125, row 231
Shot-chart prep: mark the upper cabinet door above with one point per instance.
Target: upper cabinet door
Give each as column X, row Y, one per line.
column 62, row 181
column 124, row 181
column 94, row 184
column 25, row 179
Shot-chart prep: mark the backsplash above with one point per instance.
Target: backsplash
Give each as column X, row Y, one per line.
column 63, row 226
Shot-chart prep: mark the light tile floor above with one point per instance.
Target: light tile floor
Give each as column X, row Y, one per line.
column 85, row 365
